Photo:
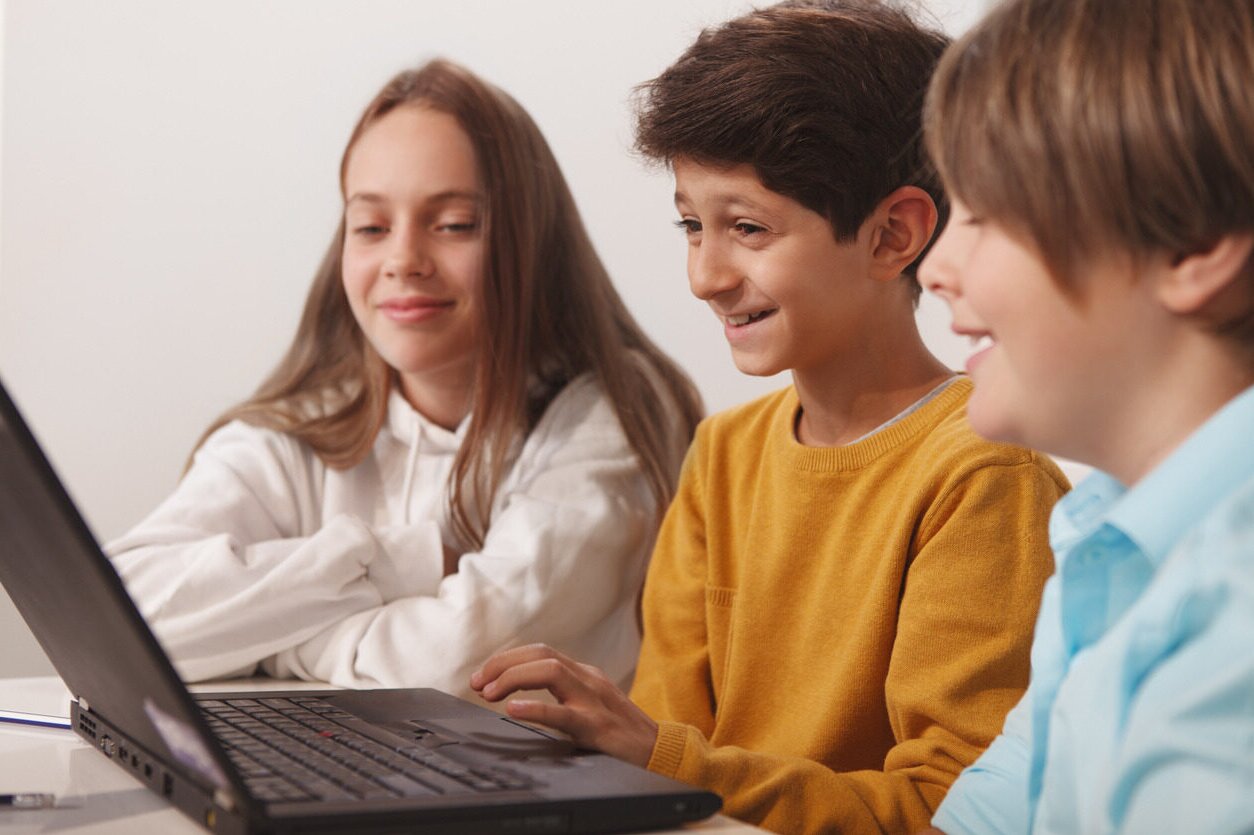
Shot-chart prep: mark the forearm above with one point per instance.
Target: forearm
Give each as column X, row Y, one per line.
column 563, row 576
column 220, row 607
column 792, row 794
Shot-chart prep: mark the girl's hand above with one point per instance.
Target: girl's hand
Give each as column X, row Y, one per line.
column 591, row 710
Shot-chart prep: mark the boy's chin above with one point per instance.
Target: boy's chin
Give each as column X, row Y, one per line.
column 993, row 423
column 756, row 366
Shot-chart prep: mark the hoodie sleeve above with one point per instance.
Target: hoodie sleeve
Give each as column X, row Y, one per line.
column 227, row 572
column 562, row 562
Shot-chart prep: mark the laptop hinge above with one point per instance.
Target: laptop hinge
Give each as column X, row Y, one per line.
column 224, row 799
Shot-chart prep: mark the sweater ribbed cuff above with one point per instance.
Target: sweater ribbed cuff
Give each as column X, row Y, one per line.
column 668, row 750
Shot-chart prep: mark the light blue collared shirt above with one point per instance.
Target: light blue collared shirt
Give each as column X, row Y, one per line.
column 1140, row 714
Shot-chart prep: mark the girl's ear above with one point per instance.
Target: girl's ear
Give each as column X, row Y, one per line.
column 1201, row 281
column 903, row 224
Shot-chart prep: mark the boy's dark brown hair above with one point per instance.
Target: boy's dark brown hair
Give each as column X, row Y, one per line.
column 823, row 99
column 1091, row 128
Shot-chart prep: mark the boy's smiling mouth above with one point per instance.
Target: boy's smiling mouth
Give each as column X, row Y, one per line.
column 981, row 344
column 740, row 319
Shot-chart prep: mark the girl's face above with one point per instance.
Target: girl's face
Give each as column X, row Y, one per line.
column 413, row 254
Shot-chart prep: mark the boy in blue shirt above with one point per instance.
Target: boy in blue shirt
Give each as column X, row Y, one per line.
column 1100, row 161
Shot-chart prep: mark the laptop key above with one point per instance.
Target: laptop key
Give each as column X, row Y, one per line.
column 322, row 749
column 405, row 786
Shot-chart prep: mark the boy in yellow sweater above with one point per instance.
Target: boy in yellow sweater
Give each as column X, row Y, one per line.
column 839, row 608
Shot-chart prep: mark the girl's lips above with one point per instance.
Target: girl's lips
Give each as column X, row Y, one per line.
column 412, row 311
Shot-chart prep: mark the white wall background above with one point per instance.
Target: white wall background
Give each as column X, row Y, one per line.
column 168, row 184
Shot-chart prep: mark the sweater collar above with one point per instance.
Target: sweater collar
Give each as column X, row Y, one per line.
column 866, row 450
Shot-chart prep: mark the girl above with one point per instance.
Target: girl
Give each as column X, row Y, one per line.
column 466, row 447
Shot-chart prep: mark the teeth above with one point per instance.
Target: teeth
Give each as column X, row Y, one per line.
column 979, row 343
column 746, row 318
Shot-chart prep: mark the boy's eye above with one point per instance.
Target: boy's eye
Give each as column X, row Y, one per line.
column 688, row 226
column 369, row 230
column 745, row 228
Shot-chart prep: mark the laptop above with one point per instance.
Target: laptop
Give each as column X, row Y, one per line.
column 321, row 761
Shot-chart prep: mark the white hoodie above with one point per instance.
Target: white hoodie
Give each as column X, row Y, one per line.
column 264, row 556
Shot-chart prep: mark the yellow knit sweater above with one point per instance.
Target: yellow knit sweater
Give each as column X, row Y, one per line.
column 832, row 634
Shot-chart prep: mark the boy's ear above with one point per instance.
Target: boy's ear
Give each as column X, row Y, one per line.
column 1195, row 283
column 903, row 224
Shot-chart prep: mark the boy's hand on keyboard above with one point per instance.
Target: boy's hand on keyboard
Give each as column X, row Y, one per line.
column 590, row 710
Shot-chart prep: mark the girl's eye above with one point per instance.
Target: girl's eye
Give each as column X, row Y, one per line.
column 748, row 228
column 688, row 226
column 458, row 228
column 369, row 230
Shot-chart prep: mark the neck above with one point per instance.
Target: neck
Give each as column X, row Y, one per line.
column 1181, row 392
column 845, row 399
column 444, row 403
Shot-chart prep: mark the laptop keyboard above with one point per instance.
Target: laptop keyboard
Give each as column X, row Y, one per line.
column 302, row 748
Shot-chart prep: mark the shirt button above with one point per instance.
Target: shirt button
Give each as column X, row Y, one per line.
column 1091, row 556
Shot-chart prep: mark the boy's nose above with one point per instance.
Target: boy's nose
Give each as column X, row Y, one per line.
column 935, row 273
column 709, row 273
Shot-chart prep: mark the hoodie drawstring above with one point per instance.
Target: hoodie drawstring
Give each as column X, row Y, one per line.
column 410, row 462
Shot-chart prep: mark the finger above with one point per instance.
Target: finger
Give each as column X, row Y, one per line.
column 555, row 675
column 558, row 717
column 505, row 659
column 595, row 726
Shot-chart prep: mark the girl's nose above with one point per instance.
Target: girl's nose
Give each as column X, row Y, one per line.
column 408, row 258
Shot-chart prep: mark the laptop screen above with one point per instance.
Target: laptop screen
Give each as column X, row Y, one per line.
column 73, row 600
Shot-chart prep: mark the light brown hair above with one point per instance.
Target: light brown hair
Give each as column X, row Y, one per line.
column 1091, row 127
column 823, row 99
column 550, row 314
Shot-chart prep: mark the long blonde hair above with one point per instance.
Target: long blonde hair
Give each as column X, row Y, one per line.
column 550, row 313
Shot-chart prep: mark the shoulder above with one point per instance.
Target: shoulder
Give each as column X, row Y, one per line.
column 950, row 475
column 953, row 450
column 580, row 419
column 581, row 401
column 584, row 404
column 1222, row 542
column 247, row 448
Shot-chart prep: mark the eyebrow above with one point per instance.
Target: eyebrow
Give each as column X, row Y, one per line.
column 725, row 200
column 439, row 197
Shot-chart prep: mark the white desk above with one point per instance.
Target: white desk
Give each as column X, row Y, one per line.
column 94, row 796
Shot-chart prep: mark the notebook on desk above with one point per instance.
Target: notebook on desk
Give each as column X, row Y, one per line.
column 414, row 760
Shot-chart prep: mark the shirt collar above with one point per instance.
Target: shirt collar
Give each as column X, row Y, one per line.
column 1212, row 462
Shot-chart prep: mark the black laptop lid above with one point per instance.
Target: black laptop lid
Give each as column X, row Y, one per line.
column 73, row 600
